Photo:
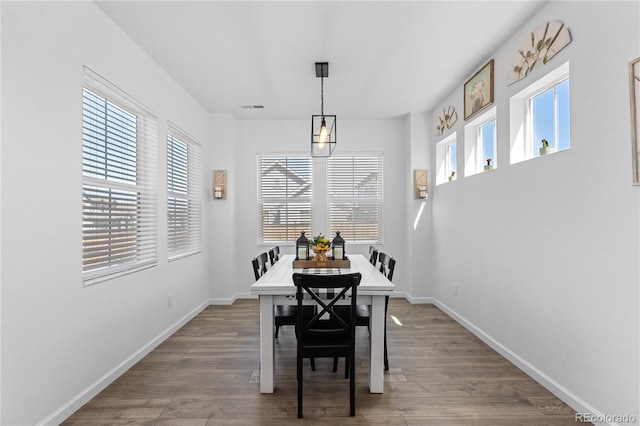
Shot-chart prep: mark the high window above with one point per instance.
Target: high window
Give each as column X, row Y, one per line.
column 284, row 197
column 184, row 194
column 447, row 159
column 480, row 144
column 118, row 177
column 541, row 112
column 355, row 197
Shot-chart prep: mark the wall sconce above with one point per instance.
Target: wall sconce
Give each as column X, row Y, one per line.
column 219, row 185
column 421, row 184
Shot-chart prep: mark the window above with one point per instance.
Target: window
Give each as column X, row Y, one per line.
column 447, row 159
column 284, row 197
column 184, row 194
column 355, row 197
column 118, row 192
column 480, row 144
column 549, row 115
column 487, row 138
column 541, row 111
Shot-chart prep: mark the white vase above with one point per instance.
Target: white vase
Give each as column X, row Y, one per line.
column 547, row 150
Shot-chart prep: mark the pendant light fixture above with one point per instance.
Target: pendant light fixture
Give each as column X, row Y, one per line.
column 323, row 127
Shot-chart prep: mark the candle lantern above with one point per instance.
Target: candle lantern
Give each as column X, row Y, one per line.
column 302, row 247
column 338, row 247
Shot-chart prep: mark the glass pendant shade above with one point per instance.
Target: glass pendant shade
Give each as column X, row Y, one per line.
column 323, row 135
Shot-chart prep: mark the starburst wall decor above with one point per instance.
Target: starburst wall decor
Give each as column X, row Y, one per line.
column 447, row 119
column 538, row 48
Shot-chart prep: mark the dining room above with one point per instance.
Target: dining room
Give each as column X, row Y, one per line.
column 514, row 298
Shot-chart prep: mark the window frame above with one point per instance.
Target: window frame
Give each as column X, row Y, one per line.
column 191, row 197
column 474, row 156
column 531, row 140
column 522, row 144
column 307, row 201
column 120, row 249
column 377, row 199
column 443, row 159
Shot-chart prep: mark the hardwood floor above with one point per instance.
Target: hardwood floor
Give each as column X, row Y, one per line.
column 207, row 373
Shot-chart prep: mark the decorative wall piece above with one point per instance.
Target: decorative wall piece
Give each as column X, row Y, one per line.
column 446, row 120
column 420, row 184
column 219, row 185
column 634, row 82
column 540, row 46
column 478, row 91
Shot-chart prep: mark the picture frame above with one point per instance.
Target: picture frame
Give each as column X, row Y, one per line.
column 478, row 91
column 634, row 95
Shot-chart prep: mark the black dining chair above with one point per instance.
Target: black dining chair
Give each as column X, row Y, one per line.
column 274, row 254
column 363, row 312
column 259, row 265
column 373, row 255
column 322, row 337
column 282, row 314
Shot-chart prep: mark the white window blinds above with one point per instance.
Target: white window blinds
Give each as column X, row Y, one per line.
column 284, row 197
column 118, row 186
column 184, row 194
column 355, row 197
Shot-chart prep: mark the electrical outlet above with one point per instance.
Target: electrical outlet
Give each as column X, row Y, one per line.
column 455, row 289
column 170, row 300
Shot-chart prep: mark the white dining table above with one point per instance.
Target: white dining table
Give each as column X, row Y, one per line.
column 276, row 287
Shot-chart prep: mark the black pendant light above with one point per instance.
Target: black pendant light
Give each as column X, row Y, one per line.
column 323, row 127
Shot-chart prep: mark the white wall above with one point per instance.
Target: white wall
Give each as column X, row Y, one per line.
column 546, row 252
column 59, row 339
column 259, row 136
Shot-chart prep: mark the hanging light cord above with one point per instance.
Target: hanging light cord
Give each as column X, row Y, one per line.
column 322, row 96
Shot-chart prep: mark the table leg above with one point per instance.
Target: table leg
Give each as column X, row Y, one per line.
column 267, row 349
column 376, row 369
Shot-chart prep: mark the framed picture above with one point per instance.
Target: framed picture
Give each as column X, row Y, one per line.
column 478, row 91
column 634, row 87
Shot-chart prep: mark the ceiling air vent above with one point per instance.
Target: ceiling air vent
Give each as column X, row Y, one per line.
column 252, row 106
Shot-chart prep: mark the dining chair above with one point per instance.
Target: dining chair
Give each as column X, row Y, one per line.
column 274, row 254
column 363, row 312
column 373, row 255
column 328, row 334
column 282, row 314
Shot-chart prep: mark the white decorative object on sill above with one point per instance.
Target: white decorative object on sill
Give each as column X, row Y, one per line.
column 546, row 149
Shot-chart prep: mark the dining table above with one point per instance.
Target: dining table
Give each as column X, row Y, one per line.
column 276, row 287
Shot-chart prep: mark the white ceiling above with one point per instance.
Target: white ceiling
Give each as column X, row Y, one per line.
column 385, row 58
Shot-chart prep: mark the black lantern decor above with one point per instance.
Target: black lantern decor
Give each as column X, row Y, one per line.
column 338, row 247
column 323, row 127
column 302, row 247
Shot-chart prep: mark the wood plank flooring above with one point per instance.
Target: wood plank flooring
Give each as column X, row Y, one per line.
column 208, row 374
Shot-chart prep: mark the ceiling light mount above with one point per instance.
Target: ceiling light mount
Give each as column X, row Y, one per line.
column 323, row 127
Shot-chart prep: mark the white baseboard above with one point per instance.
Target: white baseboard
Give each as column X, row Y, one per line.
column 551, row 385
column 99, row 385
